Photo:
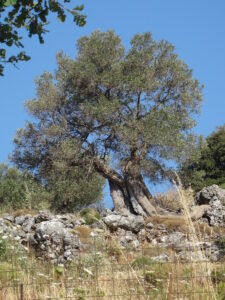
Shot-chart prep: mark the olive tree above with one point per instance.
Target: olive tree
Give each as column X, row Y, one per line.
column 122, row 113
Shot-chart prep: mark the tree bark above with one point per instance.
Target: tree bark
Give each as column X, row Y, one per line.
column 140, row 197
column 118, row 197
column 129, row 192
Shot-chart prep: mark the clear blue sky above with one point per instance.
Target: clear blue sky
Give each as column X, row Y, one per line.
column 195, row 27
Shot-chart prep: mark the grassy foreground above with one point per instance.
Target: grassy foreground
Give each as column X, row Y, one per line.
column 104, row 271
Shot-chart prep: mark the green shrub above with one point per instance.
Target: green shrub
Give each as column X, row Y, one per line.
column 218, row 276
column 79, row 293
column 218, row 279
column 142, row 261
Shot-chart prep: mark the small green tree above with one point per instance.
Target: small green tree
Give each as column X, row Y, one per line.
column 33, row 16
column 21, row 190
column 208, row 167
column 122, row 114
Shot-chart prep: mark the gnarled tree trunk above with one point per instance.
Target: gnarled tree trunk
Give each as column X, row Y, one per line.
column 129, row 192
column 119, row 197
column 139, row 199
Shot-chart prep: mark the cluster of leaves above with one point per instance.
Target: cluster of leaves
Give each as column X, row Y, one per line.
column 208, row 166
column 33, row 16
column 63, row 192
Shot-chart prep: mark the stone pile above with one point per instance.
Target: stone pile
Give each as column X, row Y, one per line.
column 55, row 237
column 51, row 236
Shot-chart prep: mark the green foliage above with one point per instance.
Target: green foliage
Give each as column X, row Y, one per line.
column 142, row 261
column 221, row 243
column 20, row 190
column 208, row 167
column 32, row 16
column 79, row 293
column 64, row 192
column 74, row 188
column 59, row 271
column 136, row 107
column 218, row 278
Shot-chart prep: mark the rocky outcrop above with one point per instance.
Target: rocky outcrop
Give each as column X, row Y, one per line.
column 214, row 197
column 52, row 237
column 209, row 193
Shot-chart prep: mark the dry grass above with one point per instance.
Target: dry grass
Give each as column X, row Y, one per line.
column 82, row 231
column 100, row 274
column 201, row 270
column 170, row 200
column 22, row 212
column 178, row 223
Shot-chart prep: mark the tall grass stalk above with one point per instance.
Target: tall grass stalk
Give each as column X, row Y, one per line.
column 201, row 265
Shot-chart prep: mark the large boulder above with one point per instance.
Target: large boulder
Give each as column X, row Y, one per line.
column 128, row 222
column 28, row 224
column 214, row 197
column 216, row 213
column 49, row 228
column 209, row 193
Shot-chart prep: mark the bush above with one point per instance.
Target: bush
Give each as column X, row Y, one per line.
column 63, row 191
column 142, row 261
column 218, row 276
column 207, row 167
column 21, row 190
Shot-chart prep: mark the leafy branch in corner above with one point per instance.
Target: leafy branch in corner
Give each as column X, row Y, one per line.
column 33, row 16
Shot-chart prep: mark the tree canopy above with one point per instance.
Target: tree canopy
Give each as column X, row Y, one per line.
column 32, row 16
column 121, row 113
column 208, row 166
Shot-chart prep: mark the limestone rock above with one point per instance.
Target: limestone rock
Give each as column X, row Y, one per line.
column 28, row 223
column 128, row 222
column 214, row 197
column 216, row 213
column 128, row 240
column 208, row 193
column 8, row 217
column 19, row 220
column 172, row 239
column 149, row 225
